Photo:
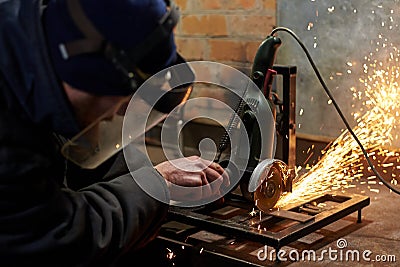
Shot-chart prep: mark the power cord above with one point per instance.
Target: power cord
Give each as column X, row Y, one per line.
column 328, row 92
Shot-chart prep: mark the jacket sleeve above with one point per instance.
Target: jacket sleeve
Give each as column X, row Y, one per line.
column 44, row 224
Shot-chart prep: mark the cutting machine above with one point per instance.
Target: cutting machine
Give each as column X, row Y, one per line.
column 264, row 180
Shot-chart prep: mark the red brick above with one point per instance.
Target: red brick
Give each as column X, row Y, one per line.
column 251, row 25
column 210, row 4
column 209, row 25
column 226, row 4
column 182, row 4
column 251, row 50
column 269, row 4
column 247, row 4
column 227, row 50
column 192, row 48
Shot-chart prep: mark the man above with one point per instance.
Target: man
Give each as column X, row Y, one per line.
column 61, row 68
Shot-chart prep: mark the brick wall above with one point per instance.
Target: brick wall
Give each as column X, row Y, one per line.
column 225, row 31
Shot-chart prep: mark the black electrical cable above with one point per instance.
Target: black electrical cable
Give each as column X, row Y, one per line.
column 328, row 92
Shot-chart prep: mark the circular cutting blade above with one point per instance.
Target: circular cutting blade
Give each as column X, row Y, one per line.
column 270, row 190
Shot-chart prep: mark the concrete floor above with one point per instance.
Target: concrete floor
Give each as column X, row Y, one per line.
column 378, row 233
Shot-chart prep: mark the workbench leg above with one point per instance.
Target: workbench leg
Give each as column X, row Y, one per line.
column 359, row 216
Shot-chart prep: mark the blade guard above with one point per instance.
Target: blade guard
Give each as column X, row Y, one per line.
column 257, row 177
column 275, row 176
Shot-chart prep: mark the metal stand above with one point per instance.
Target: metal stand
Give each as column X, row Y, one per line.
column 275, row 229
column 287, row 115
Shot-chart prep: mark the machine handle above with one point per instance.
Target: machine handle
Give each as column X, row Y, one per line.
column 263, row 61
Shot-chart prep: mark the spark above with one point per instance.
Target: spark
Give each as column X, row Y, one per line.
column 308, row 158
column 170, row 254
column 387, row 165
column 253, row 212
column 343, row 161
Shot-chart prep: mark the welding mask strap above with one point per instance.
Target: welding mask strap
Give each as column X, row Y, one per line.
column 94, row 41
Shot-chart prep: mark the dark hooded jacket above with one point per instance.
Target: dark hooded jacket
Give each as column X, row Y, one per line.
column 43, row 222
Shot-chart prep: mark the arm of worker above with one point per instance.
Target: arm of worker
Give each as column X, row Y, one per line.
column 204, row 177
column 44, row 224
column 207, row 176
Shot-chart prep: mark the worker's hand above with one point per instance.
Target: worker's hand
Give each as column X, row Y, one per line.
column 193, row 171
